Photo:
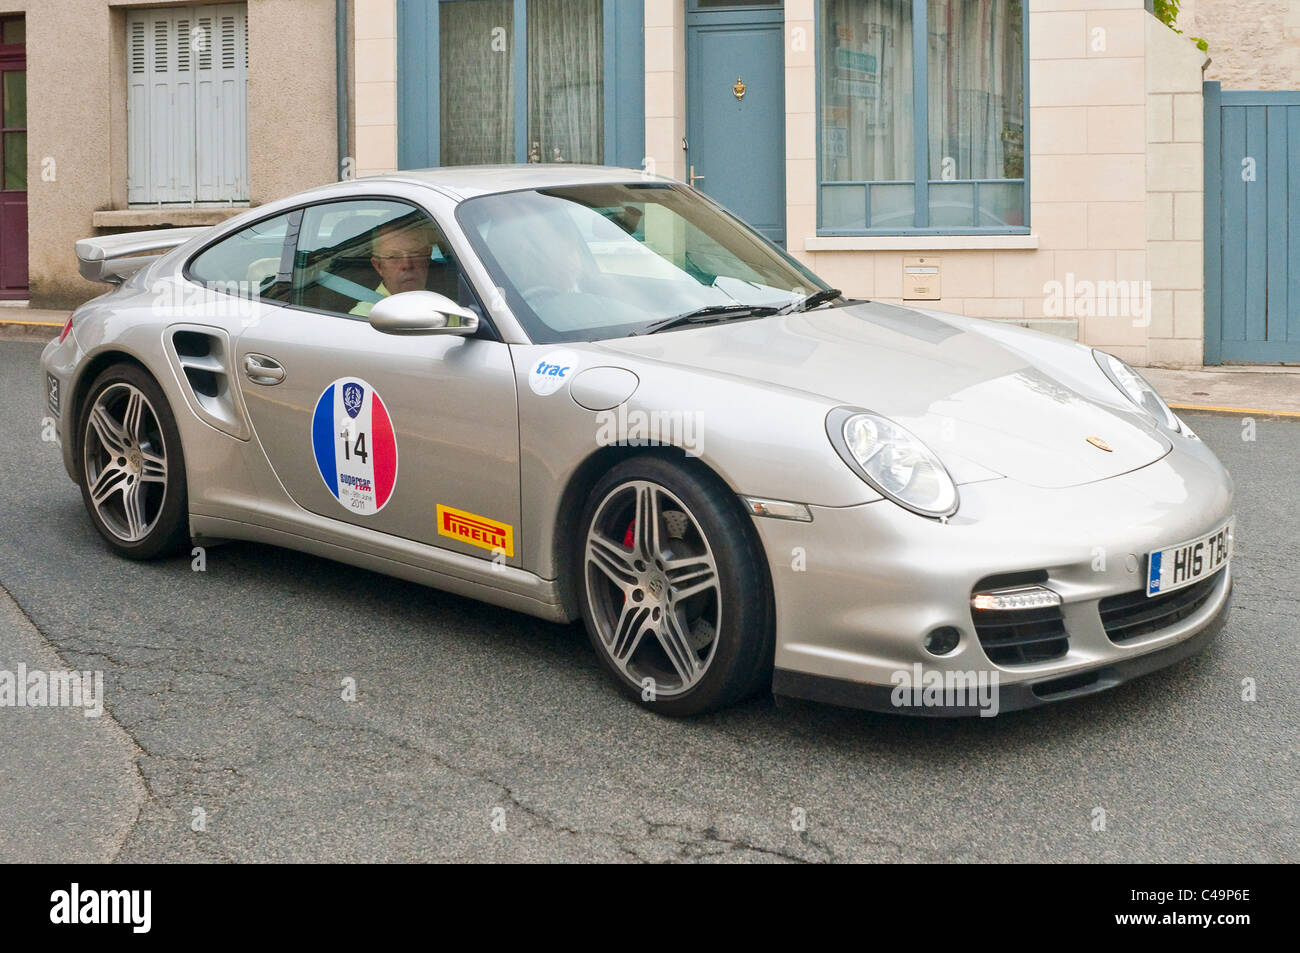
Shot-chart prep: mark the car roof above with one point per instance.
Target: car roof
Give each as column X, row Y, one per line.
column 467, row 181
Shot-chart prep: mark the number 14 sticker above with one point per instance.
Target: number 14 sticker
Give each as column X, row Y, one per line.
column 355, row 445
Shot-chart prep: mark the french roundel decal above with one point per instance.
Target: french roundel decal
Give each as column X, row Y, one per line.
column 355, row 446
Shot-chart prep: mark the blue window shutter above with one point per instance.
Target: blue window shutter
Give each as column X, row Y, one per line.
column 418, row 106
column 625, row 83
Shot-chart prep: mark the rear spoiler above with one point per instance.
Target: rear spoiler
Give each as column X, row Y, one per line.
column 114, row 258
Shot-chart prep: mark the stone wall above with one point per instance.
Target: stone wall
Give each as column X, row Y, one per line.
column 1175, row 194
column 1254, row 44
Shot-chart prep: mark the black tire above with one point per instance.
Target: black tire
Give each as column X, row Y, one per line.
column 169, row 532
column 738, row 663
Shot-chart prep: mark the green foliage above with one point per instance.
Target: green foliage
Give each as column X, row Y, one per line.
column 1166, row 12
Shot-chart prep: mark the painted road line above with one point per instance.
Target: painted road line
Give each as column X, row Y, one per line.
column 1247, row 411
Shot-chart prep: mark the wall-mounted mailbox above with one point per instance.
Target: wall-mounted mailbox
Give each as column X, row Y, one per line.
column 921, row 279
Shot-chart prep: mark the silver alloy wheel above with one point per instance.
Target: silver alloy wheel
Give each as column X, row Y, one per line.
column 125, row 461
column 657, row 605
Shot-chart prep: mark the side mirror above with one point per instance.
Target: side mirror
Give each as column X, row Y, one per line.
column 422, row 312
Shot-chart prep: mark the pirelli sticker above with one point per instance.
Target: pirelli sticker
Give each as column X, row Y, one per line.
column 476, row 530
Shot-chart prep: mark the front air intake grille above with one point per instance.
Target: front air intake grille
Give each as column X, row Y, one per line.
column 1021, row 636
column 1134, row 614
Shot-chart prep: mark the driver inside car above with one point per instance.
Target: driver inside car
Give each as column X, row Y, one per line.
column 401, row 256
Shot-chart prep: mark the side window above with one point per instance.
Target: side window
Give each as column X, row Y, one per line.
column 352, row 254
column 250, row 263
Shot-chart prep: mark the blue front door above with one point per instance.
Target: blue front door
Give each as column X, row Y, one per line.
column 735, row 109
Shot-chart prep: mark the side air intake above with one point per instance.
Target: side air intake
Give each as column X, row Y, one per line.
column 202, row 360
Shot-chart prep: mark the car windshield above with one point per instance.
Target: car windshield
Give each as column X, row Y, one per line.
column 587, row 262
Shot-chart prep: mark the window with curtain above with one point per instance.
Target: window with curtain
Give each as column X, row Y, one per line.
column 969, row 173
column 561, row 52
column 566, row 87
column 477, row 79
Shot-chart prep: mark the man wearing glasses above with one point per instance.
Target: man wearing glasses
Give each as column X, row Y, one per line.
column 401, row 256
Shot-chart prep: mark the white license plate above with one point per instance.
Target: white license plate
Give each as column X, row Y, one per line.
column 1186, row 563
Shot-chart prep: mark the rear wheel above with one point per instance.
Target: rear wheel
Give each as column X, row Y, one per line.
column 675, row 594
column 133, row 470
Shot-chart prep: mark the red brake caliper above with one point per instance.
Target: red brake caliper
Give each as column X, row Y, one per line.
column 629, row 540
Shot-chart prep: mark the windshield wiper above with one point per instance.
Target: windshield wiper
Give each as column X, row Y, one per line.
column 812, row 300
column 711, row 312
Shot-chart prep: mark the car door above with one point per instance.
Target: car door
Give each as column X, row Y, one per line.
column 413, row 436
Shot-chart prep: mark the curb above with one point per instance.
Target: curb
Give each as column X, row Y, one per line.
column 35, row 331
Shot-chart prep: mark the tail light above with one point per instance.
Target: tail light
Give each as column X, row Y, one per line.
column 67, row 329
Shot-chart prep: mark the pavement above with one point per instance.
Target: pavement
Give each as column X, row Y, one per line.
column 1231, row 390
column 480, row 734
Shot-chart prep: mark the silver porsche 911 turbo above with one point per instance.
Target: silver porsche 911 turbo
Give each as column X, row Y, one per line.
column 591, row 393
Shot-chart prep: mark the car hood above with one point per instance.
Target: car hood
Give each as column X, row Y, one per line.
column 973, row 399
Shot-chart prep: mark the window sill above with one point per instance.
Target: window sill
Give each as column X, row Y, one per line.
column 157, row 217
column 920, row 242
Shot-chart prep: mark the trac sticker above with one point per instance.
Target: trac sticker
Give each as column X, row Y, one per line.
column 552, row 371
column 476, row 530
column 355, row 445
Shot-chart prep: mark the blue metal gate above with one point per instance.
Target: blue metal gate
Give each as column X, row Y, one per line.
column 1252, row 226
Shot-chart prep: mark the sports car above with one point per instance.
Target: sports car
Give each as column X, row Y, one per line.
column 592, row 393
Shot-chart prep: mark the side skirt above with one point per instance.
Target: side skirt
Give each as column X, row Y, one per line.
column 503, row 586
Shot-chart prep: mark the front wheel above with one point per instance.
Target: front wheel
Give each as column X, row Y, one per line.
column 675, row 593
column 132, row 467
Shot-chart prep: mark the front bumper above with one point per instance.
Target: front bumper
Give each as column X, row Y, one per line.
column 859, row 588
column 1010, row 697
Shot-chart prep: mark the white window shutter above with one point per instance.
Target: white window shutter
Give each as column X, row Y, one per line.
column 163, row 170
column 187, row 93
column 182, row 121
column 139, row 186
column 223, row 97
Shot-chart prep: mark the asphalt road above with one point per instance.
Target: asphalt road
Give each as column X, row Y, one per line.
column 480, row 734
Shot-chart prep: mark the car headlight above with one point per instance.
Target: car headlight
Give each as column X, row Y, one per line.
column 893, row 461
column 1135, row 388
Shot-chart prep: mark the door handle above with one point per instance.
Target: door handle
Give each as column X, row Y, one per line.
column 694, row 177
column 262, row 369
